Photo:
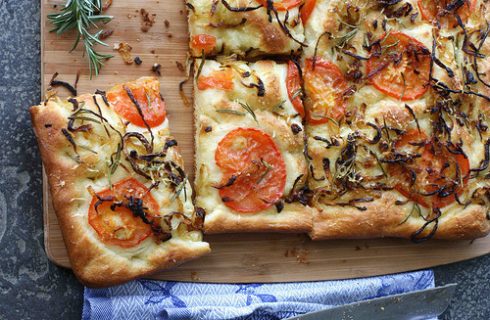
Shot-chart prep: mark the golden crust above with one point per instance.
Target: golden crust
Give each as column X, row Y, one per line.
column 94, row 263
column 384, row 219
column 96, row 268
column 294, row 218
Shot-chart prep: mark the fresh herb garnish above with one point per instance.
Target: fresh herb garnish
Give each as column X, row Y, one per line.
column 235, row 112
column 82, row 15
column 249, row 109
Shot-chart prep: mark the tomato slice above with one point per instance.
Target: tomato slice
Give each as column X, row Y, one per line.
column 254, row 172
column 219, row 79
column 282, row 5
column 293, row 84
column 203, row 42
column 325, row 86
column 403, row 68
column 430, row 10
column 307, row 9
column 436, row 169
column 149, row 100
column 120, row 226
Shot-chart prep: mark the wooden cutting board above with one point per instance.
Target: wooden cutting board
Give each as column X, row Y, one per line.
column 237, row 257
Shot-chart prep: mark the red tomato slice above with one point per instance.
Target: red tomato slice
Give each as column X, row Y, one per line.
column 148, row 97
column 219, row 79
column 282, row 5
column 430, row 10
column 436, row 168
column 325, row 87
column 293, row 84
column 119, row 226
column 402, row 70
column 250, row 158
column 307, row 9
column 203, row 42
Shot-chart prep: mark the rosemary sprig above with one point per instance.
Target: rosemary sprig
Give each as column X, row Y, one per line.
column 83, row 15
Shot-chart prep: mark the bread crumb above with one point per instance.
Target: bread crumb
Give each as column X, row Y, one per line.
column 106, row 5
column 106, row 34
column 301, row 254
column 147, row 20
column 124, row 50
column 194, row 276
column 180, row 66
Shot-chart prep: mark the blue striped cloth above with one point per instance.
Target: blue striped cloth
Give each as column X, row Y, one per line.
column 148, row 299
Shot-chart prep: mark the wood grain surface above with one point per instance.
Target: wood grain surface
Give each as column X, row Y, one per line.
column 235, row 257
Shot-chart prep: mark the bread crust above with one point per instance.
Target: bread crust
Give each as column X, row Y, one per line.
column 294, row 218
column 94, row 263
column 384, row 218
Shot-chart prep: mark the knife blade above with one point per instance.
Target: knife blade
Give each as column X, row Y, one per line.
column 416, row 305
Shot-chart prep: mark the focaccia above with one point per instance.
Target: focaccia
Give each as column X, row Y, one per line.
column 397, row 102
column 250, row 167
column 244, row 27
column 117, row 183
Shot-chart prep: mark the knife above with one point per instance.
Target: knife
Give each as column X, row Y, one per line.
column 416, row 305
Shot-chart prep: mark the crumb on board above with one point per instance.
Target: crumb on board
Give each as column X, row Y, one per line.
column 301, row 254
column 167, row 23
column 147, row 20
column 124, row 50
column 180, row 66
column 156, row 68
column 194, row 276
column 152, row 51
column 106, row 34
column 169, row 35
column 106, row 5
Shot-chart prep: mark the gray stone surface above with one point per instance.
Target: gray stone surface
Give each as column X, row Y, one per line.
column 30, row 286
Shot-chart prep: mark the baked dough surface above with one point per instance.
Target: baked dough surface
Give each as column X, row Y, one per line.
column 336, row 27
column 217, row 112
column 71, row 174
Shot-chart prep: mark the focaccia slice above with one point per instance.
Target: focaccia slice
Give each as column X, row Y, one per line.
column 244, row 27
column 250, row 167
column 397, row 119
column 117, row 183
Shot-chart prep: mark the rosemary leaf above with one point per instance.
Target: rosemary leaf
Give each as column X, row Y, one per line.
column 83, row 15
column 249, row 109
